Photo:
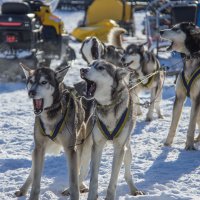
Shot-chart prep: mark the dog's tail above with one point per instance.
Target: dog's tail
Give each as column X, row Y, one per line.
column 115, row 36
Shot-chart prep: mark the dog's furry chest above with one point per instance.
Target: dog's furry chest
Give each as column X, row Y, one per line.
column 110, row 120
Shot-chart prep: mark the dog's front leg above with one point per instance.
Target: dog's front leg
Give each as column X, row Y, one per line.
column 37, row 163
column 85, row 161
column 119, row 152
column 149, row 116
column 192, row 125
column 128, row 176
column 23, row 190
column 73, row 173
column 97, row 149
column 198, row 122
column 158, row 98
column 178, row 104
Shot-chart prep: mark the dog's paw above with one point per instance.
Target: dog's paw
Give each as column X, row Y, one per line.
column 139, row 112
column 84, row 190
column 197, row 140
column 19, row 193
column 160, row 116
column 148, row 119
column 66, row 192
column 167, row 144
column 190, row 147
column 138, row 192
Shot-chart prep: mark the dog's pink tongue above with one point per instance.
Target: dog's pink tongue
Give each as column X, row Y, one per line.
column 38, row 103
column 92, row 88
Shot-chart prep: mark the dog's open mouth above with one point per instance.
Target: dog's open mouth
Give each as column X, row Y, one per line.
column 91, row 88
column 38, row 106
column 91, row 85
column 170, row 47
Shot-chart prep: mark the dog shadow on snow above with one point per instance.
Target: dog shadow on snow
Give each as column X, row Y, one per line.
column 164, row 169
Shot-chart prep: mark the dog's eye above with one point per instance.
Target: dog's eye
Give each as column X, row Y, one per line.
column 44, row 82
column 130, row 51
column 101, row 68
column 31, row 81
column 176, row 30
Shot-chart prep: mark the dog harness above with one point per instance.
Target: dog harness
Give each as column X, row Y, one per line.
column 150, row 81
column 118, row 129
column 58, row 129
column 188, row 83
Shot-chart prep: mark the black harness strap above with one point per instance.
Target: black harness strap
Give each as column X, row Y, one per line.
column 118, row 129
column 57, row 129
column 188, row 83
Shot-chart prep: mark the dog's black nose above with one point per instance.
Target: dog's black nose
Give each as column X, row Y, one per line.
column 161, row 32
column 32, row 93
column 123, row 59
column 83, row 70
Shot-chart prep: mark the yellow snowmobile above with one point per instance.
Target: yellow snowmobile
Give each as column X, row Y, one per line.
column 31, row 26
column 102, row 15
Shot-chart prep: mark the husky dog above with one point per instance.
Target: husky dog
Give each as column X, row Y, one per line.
column 143, row 63
column 59, row 123
column 93, row 49
column 185, row 39
column 105, row 84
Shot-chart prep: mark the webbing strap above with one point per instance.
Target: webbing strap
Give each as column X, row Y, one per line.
column 118, row 129
column 188, row 83
column 59, row 127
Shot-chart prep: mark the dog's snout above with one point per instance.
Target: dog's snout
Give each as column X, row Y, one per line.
column 83, row 72
column 32, row 93
column 123, row 59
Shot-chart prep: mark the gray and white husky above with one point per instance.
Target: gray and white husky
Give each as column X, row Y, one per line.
column 93, row 49
column 143, row 63
column 185, row 39
column 55, row 108
column 105, row 84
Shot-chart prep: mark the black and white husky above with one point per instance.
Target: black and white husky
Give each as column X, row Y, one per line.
column 115, row 120
column 143, row 64
column 185, row 39
column 93, row 49
column 59, row 123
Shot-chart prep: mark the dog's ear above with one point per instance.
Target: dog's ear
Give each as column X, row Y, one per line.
column 61, row 74
column 26, row 70
column 141, row 48
column 121, row 73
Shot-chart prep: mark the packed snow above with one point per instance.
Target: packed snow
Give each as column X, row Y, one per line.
column 163, row 173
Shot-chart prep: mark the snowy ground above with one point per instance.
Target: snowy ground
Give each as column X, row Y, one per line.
column 162, row 173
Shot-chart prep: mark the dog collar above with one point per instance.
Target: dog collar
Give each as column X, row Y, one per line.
column 188, row 83
column 110, row 135
column 107, row 107
column 54, row 106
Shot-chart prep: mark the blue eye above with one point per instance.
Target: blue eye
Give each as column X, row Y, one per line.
column 101, row 68
column 44, row 82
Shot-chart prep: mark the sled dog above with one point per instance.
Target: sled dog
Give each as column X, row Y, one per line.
column 114, row 120
column 59, row 123
column 93, row 49
column 143, row 63
column 185, row 38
